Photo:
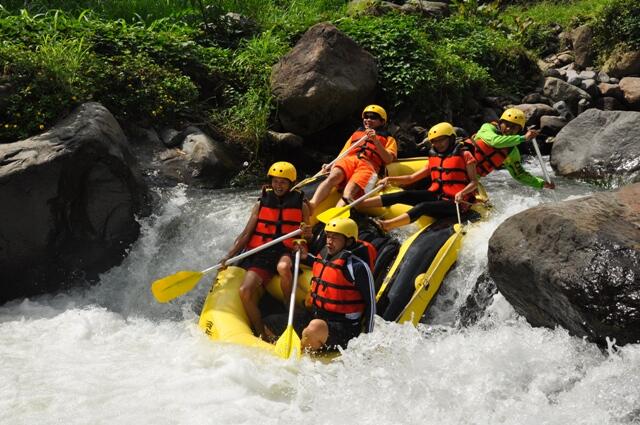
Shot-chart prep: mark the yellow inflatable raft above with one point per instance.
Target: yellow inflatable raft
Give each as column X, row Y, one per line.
column 223, row 317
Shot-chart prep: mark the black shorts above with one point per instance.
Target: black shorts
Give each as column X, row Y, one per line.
column 265, row 263
column 340, row 331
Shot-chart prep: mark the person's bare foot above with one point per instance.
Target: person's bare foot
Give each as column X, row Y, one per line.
column 380, row 224
column 268, row 336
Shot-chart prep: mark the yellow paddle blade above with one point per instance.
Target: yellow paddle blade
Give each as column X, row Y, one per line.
column 288, row 344
column 173, row 286
column 335, row 212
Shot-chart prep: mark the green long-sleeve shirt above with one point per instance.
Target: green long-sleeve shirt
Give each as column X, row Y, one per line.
column 513, row 162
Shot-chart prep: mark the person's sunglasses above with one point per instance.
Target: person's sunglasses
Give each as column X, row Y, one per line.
column 371, row 117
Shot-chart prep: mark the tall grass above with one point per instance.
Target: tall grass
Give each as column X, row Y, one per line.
column 564, row 13
column 63, row 58
column 130, row 10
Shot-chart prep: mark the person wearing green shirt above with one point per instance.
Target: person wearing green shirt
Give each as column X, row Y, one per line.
column 496, row 146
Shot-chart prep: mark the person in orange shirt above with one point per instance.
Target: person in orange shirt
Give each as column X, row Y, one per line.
column 357, row 172
column 452, row 169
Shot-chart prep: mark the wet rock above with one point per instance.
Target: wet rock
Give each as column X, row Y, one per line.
column 179, row 138
column 71, row 196
column 574, row 264
column 478, row 301
column 599, row 145
column 325, row 78
column 167, row 136
column 199, row 160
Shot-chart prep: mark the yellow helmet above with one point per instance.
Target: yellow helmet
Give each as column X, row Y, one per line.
column 515, row 116
column 283, row 169
column 376, row 110
column 439, row 130
column 344, row 226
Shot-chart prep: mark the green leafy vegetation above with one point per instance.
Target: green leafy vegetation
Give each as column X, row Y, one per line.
column 618, row 22
column 173, row 62
column 437, row 66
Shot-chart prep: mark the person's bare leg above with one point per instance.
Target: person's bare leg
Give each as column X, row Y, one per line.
column 315, row 335
column 335, row 178
column 250, row 295
column 351, row 192
column 401, row 220
column 286, row 278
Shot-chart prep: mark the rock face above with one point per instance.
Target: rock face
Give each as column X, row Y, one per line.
column 574, row 264
column 557, row 89
column 599, row 144
column 322, row 80
column 582, row 38
column 70, row 197
column 197, row 159
column 622, row 63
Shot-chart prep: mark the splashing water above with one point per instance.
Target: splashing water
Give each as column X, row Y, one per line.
column 111, row 354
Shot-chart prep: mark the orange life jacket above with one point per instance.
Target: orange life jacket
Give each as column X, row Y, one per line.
column 367, row 149
column 487, row 157
column 449, row 173
column 331, row 289
column 276, row 217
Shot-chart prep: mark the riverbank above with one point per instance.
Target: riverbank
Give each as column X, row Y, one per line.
column 170, row 64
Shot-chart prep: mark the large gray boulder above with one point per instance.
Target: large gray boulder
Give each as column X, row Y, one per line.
column 575, row 264
column 325, row 78
column 70, row 197
column 557, row 90
column 599, row 145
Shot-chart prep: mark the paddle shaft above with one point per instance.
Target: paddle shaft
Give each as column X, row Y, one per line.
column 334, row 212
column 544, row 168
column 292, row 299
column 338, row 158
column 254, row 250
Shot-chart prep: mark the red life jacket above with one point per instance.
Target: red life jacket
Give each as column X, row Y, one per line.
column 367, row 149
column 331, row 289
column 367, row 252
column 449, row 173
column 276, row 217
column 488, row 158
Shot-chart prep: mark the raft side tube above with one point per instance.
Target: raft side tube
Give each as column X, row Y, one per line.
column 428, row 283
column 416, row 256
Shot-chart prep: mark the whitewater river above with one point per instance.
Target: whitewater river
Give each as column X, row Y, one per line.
column 112, row 355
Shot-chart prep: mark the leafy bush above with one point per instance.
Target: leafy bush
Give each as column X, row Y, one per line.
column 435, row 67
column 42, row 89
column 619, row 22
column 56, row 61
